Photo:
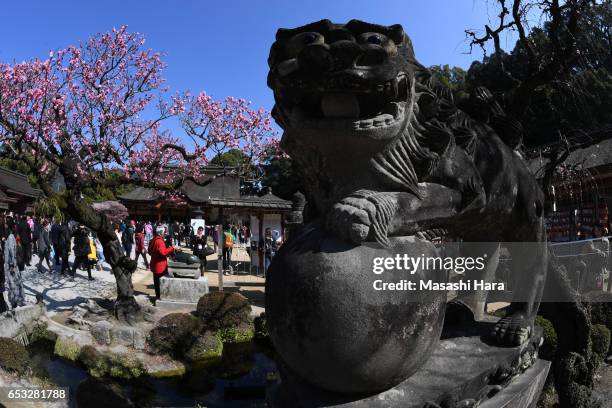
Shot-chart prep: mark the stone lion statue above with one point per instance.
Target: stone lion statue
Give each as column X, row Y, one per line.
column 389, row 161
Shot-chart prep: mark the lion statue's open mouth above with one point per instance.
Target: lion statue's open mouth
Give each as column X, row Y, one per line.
column 353, row 78
column 348, row 103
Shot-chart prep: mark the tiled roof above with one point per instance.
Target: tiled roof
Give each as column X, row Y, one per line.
column 17, row 183
column 266, row 201
column 140, row 194
column 598, row 154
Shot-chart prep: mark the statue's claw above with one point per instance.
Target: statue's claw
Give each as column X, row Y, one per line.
column 351, row 218
column 512, row 330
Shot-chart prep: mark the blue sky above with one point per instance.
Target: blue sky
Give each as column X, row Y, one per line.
column 222, row 46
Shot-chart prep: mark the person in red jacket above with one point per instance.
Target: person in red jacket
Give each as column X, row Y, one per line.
column 159, row 257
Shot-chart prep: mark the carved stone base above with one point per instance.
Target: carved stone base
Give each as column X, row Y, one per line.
column 181, row 294
column 463, row 371
column 523, row 391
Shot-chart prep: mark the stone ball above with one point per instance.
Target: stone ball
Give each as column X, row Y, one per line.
column 333, row 329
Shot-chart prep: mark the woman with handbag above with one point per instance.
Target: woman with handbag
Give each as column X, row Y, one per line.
column 201, row 249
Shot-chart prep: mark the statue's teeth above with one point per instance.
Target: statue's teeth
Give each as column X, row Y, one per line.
column 366, row 123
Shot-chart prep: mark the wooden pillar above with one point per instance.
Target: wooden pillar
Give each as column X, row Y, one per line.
column 262, row 254
column 221, row 241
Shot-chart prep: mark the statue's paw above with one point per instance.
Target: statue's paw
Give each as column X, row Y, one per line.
column 512, row 330
column 351, row 218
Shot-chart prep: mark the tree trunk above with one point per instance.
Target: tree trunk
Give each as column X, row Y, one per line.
column 126, row 307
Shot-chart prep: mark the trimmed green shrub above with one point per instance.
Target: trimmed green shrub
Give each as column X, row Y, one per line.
column 13, row 356
column 600, row 304
column 218, row 310
column 600, row 340
column 548, row 348
column 174, row 334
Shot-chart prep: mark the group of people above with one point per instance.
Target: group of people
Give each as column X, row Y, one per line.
column 22, row 236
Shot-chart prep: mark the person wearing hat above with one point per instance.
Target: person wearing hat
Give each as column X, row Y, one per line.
column 159, row 253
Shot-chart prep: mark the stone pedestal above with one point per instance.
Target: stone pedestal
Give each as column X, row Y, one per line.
column 464, row 371
column 178, row 294
column 183, row 269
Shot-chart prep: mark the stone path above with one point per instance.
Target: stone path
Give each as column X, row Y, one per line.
column 61, row 294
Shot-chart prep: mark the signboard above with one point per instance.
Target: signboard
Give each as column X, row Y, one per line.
column 197, row 223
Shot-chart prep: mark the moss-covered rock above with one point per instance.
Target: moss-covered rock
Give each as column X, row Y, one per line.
column 218, row 310
column 67, row 349
column 174, row 334
column 101, row 393
column 600, row 341
column 177, row 371
column 13, row 356
column 115, row 365
column 205, row 348
column 238, row 359
column 125, row 366
column 239, row 334
column 94, row 361
column 548, row 348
